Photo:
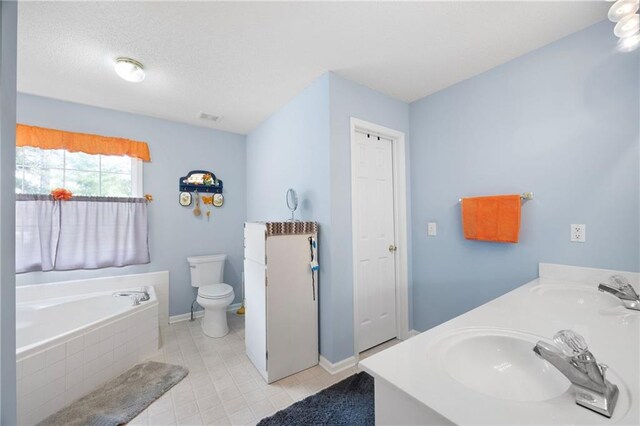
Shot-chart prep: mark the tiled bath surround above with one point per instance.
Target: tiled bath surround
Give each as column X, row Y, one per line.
column 50, row 379
column 71, row 364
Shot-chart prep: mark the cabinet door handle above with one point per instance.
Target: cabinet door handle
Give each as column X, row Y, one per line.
column 392, row 248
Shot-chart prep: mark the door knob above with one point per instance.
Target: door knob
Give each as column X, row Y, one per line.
column 392, row 247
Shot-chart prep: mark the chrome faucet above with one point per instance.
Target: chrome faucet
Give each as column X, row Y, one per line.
column 571, row 356
column 135, row 295
column 620, row 287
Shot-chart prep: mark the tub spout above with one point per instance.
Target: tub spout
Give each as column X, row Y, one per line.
column 137, row 296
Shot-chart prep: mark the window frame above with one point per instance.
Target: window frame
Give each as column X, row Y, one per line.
column 136, row 173
column 137, row 180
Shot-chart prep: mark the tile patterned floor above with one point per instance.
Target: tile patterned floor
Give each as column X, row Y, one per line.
column 223, row 387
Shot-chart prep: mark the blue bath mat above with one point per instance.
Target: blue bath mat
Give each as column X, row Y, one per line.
column 348, row 402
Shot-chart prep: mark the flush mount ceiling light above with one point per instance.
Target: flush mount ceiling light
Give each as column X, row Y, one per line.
column 129, row 69
column 622, row 8
column 627, row 26
column 628, row 44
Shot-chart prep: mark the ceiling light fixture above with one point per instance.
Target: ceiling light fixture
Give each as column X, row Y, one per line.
column 628, row 44
column 627, row 26
column 622, row 8
column 129, row 69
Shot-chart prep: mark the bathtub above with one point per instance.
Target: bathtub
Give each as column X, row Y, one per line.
column 69, row 342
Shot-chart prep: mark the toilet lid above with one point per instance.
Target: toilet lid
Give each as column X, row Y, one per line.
column 215, row 291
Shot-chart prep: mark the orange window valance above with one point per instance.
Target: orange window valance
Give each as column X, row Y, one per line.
column 40, row 137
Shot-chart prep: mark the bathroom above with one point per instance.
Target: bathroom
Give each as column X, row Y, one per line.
column 535, row 99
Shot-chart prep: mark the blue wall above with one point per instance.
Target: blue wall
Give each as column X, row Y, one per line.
column 306, row 145
column 174, row 233
column 561, row 121
column 291, row 150
column 349, row 99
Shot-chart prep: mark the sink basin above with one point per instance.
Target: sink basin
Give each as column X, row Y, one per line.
column 576, row 297
column 501, row 363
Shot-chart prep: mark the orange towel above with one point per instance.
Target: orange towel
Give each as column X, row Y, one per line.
column 495, row 218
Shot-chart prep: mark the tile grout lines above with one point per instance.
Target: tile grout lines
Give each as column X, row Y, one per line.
column 223, row 387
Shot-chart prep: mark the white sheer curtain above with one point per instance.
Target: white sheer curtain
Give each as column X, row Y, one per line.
column 82, row 233
column 37, row 231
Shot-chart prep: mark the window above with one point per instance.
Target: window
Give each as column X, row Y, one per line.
column 38, row 171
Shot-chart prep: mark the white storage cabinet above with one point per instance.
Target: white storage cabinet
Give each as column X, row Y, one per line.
column 281, row 297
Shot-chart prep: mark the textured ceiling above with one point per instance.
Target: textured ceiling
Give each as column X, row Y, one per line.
column 243, row 60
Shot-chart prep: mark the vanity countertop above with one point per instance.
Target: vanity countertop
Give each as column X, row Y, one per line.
column 539, row 308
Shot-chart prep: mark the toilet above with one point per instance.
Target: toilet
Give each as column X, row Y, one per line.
column 213, row 295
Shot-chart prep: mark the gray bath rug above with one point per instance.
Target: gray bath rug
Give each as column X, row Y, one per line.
column 121, row 399
column 349, row 402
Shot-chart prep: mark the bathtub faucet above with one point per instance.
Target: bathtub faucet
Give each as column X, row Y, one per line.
column 571, row 356
column 135, row 295
column 620, row 287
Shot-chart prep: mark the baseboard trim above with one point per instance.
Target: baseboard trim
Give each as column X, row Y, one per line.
column 199, row 314
column 334, row 368
column 413, row 333
column 185, row 317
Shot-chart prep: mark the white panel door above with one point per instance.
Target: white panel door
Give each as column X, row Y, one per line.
column 374, row 240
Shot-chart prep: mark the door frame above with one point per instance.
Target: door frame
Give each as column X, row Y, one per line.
column 400, row 224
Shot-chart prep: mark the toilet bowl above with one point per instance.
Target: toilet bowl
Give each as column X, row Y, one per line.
column 213, row 295
column 215, row 299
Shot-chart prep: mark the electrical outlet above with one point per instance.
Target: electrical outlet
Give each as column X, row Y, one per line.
column 432, row 229
column 578, row 232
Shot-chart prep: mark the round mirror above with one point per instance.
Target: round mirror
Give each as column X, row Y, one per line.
column 292, row 201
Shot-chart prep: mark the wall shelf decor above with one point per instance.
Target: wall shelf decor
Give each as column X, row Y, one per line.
column 201, row 181
column 185, row 199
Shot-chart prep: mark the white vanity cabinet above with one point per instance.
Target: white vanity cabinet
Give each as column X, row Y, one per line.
column 281, row 297
column 480, row 367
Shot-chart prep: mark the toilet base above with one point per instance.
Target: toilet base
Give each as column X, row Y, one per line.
column 214, row 323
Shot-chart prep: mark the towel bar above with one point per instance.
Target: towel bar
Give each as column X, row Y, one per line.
column 524, row 196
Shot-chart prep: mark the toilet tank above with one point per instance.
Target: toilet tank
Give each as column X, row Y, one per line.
column 206, row 270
